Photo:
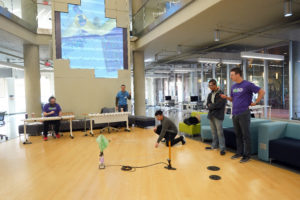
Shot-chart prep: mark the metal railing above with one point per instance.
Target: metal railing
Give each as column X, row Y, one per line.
column 154, row 12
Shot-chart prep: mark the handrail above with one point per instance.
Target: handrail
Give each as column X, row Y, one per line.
column 154, row 12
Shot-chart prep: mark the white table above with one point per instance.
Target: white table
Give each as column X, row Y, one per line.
column 109, row 118
column 42, row 119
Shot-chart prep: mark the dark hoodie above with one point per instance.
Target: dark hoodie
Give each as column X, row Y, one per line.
column 216, row 109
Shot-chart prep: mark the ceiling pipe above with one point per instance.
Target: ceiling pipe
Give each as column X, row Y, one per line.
column 227, row 42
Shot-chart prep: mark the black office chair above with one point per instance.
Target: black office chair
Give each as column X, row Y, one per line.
column 108, row 127
column 2, row 123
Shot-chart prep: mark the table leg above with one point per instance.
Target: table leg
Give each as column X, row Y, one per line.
column 127, row 126
column 71, row 131
column 91, row 127
column 25, row 135
column 85, row 127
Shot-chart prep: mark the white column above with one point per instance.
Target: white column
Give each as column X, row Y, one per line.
column 29, row 12
column 228, row 79
column 202, row 80
column 196, row 92
column 296, row 77
column 32, row 79
column 139, row 83
column 291, row 81
column 266, row 87
column 245, row 69
column 214, row 71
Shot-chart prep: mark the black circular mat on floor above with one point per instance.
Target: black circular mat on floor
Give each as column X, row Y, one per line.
column 215, row 177
column 213, row 168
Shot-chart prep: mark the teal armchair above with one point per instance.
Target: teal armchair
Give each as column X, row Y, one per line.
column 274, row 131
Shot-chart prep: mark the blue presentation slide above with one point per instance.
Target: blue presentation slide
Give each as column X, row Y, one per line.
column 90, row 40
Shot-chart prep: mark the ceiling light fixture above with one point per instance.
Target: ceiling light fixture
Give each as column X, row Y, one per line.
column 232, row 62
column 262, row 56
column 208, row 60
column 288, row 8
column 217, row 35
column 149, row 60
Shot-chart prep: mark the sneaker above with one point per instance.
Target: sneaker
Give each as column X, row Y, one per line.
column 57, row 136
column 222, row 153
column 183, row 140
column 45, row 138
column 210, row 148
column 163, row 140
column 245, row 159
column 236, row 156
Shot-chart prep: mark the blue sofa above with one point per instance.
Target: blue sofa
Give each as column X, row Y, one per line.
column 280, row 141
column 230, row 140
column 205, row 126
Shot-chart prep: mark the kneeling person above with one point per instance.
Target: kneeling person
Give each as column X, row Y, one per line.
column 167, row 130
column 52, row 109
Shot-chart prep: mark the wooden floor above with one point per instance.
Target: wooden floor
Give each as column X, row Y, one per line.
column 68, row 169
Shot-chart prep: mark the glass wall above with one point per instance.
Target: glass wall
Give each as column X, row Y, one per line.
column 3, row 95
column 40, row 10
column 221, row 77
column 255, row 74
column 278, row 80
column 47, row 86
column 13, row 6
column 207, row 73
column 155, row 12
column 12, row 91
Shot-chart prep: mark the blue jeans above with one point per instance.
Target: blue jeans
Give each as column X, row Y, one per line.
column 217, row 133
column 125, row 108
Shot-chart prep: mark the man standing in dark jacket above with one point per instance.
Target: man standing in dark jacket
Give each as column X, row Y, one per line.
column 216, row 106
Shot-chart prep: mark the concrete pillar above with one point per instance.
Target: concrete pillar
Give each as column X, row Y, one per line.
column 168, row 86
column 183, row 88
column 175, row 86
column 163, row 89
column 295, row 63
column 244, row 69
column 202, row 80
column 291, row 77
column 266, row 87
column 228, row 79
column 214, row 71
column 32, row 79
column 29, row 12
column 139, row 83
column 191, row 83
column 196, row 88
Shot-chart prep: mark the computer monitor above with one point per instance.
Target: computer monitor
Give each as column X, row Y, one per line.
column 194, row 98
column 168, row 98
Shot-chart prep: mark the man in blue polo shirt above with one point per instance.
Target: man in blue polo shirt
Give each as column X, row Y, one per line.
column 241, row 97
column 121, row 99
column 51, row 109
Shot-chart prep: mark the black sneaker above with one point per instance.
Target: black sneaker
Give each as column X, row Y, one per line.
column 210, row 148
column 245, row 159
column 163, row 140
column 183, row 140
column 236, row 156
column 222, row 153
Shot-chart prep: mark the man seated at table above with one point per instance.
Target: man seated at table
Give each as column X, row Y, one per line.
column 51, row 109
column 167, row 130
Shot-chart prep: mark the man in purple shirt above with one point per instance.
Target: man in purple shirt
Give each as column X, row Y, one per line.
column 241, row 97
column 51, row 109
